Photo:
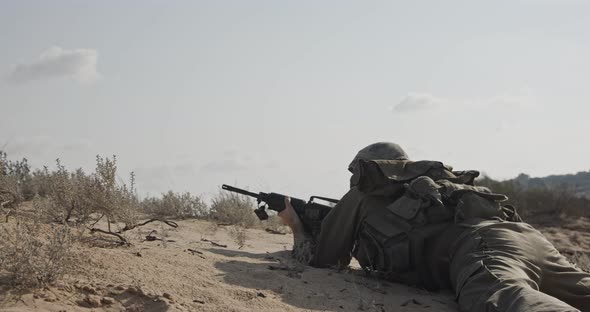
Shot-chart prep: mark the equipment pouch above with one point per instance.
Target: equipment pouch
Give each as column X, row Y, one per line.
column 406, row 207
column 472, row 205
column 476, row 202
column 386, row 244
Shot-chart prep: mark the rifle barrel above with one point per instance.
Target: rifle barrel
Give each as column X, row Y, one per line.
column 239, row 190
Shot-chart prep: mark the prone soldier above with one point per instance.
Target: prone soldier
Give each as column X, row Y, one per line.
column 423, row 224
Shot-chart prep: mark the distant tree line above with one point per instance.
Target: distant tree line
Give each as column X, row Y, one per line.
column 540, row 200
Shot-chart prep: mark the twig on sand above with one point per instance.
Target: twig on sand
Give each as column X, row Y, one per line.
column 213, row 243
column 200, row 254
column 271, row 231
column 150, row 237
column 128, row 227
column 132, row 226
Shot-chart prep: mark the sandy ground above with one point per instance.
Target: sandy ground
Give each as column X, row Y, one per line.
column 164, row 275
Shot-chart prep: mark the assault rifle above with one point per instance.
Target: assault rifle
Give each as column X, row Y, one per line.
column 310, row 213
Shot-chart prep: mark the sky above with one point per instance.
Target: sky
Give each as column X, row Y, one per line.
column 280, row 95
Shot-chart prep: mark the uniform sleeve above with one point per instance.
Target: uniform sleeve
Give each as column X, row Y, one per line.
column 337, row 236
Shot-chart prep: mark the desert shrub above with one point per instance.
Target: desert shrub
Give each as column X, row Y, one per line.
column 15, row 181
column 233, row 208
column 33, row 257
column 59, row 202
column 176, row 205
column 239, row 235
column 65, row 196
column 536, row 201
column 10, row 195
column 104, row 196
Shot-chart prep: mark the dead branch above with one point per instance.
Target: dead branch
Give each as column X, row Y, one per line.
column 200, row 254
column 122, row 239
column 150, row 237
column 10, row 212
column 95, row 222
column 131, row 227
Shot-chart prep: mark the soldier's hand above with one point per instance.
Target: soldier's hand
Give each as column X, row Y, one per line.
column 289, row 217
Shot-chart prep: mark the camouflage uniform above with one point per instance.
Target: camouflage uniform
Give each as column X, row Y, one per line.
column 510, row 266
column 492, row 264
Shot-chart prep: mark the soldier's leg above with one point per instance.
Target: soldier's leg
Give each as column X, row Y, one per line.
column 496, row 268
column 500, row 284
column 562, row 280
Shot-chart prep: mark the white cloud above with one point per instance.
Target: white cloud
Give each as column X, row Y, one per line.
column 415, row 102
column 522, row 101
column 56, row 62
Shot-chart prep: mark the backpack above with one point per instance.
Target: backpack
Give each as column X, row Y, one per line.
column 425, row 197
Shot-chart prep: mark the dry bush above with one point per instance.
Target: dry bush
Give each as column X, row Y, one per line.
column 65, row 196
column 233, row 208
column 581, row 260
column 34, row 257
column 239, row 235
column 60, row 195
column 104, row 196
column 176, row 205
column 10, row 198
column 15, row 182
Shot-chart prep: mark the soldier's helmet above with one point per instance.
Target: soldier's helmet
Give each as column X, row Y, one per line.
column 379, row 150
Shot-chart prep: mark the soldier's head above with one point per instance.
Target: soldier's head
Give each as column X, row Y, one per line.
column 380, row 150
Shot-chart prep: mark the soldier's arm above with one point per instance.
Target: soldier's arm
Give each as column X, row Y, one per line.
column 337, row 237
column 290, row 218
column 333, row 246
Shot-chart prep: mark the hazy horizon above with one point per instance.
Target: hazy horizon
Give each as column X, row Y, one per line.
column 279, row 96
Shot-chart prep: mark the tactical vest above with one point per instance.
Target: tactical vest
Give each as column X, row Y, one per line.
column 426, row 196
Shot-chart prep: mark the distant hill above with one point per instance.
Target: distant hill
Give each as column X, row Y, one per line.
column 578, row 184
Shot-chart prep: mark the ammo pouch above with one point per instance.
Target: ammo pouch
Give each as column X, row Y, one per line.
column 391, row 239
column 479, row 202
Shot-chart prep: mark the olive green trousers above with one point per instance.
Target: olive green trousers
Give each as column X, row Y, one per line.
column 508, row 266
